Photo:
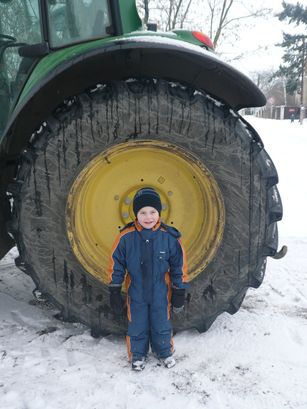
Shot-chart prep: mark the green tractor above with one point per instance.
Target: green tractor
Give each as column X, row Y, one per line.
column 92, row 108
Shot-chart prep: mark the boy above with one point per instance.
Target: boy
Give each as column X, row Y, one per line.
column 150, row 255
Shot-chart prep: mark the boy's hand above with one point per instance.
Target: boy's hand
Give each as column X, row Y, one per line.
column 178, row 297
column 116, row 301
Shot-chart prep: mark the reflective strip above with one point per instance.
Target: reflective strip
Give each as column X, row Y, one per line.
column 156, row 226
column 137, row 225
column 185, row 277
column 114, row 247
column 128, row 309
column 127, row 284
column 169, row 294
column 128, row 347
column 172, row 345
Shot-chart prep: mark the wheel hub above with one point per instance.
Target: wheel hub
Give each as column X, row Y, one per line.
column 100, row 202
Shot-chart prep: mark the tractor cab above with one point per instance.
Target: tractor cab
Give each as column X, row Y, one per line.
column 19, row 25
column 29, row 29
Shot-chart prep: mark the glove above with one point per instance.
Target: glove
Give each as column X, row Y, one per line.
column 116, row 301
column 177, row 300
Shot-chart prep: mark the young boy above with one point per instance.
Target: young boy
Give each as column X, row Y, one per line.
column 150, row 256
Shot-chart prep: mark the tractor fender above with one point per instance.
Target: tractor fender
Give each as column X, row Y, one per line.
column 129, row 57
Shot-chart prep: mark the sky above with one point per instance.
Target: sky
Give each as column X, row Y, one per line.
column 259, row 45
column 254, row 39
column 265, row 33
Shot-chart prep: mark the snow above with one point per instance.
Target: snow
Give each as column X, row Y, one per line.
column 254, row 359
column 286, row 143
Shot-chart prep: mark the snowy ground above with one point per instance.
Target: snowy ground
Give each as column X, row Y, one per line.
column 256, row 359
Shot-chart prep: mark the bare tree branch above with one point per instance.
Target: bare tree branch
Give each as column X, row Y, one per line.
column 224, row 13
column 258, row 13
column 176, row 11
column 221, row 16
column 184, row 16
column 224, row 17
column 173, row 13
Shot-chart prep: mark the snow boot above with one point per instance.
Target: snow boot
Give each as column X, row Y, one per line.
column 168, row 362
column 138, row 365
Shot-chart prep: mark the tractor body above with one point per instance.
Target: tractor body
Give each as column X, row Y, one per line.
column 61, row 53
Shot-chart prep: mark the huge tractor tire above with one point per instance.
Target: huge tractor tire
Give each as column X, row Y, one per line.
column 76, row 180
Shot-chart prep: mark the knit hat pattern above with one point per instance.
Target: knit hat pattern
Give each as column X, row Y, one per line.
column 146, row 196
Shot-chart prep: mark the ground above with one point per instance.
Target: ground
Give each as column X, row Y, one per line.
column 253, row 359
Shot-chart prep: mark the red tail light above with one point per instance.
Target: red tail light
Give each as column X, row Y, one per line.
column 203, row 38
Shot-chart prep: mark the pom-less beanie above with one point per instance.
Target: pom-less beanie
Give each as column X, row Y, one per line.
column 146, row 196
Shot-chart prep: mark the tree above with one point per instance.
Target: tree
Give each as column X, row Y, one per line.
column 171, row 13
column 274, row 88
column 265, row 80
column 295, row 54
column 226, row 15
column 222, row 20
column 144, row 7
column 294, row 60
column 294, row 13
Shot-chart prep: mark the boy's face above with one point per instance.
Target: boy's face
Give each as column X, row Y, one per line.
column 148, row 217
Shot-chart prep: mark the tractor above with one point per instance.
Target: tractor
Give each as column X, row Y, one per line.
column 93, row 107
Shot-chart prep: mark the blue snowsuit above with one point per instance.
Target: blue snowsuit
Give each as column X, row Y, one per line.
column 150, row 261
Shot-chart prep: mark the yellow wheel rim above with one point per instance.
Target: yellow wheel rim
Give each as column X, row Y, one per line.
column 100, row 202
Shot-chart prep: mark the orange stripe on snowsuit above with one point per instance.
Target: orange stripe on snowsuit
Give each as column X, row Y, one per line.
column 128, row 309
column 169, row 297
column 185, row 277
column 128, row 347
column 169, row 294
column 114, row 247
column 172, row 345
column 127, row 284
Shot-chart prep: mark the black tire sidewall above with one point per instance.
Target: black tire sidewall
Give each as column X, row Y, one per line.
column 119, row 112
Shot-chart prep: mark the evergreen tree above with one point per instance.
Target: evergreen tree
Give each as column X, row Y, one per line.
column 295, row 46
column 296, row 13
column 294, row 60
